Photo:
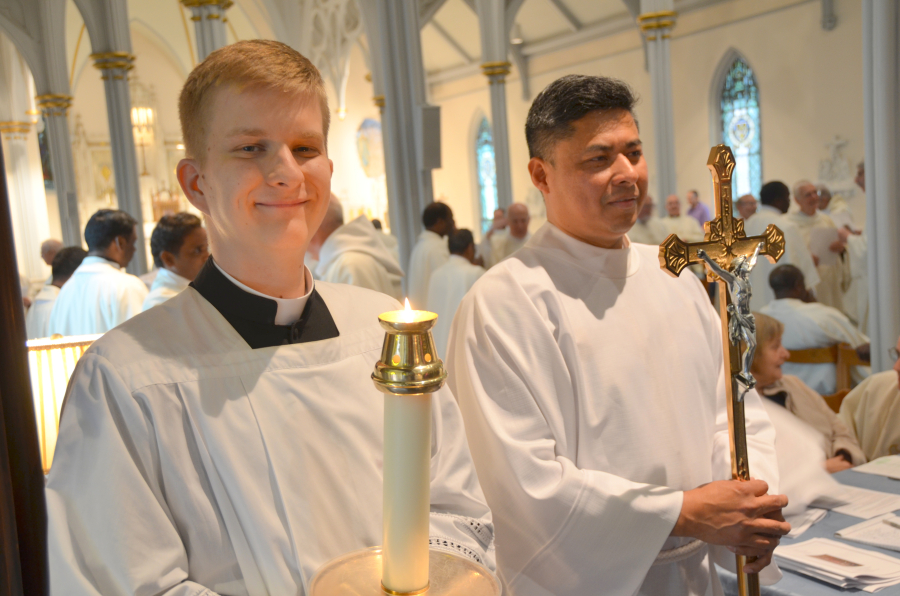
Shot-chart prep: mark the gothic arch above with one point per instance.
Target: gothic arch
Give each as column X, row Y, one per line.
column 715, row 90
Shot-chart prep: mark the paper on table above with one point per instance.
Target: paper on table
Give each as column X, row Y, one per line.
column 859, row 502
column 840, row 564
column 889, row 466
column 874, row 532
column 820, row 240
column 801, row 522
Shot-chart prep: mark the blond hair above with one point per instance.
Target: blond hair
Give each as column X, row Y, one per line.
column 767, row 329
column 255, row 63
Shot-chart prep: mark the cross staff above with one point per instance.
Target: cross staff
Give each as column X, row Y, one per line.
column 725, row 242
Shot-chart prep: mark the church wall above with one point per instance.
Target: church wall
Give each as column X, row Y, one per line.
column 810, row 83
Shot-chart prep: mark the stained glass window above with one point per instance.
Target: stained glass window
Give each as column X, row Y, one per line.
column 740, row 127
column 487, row 172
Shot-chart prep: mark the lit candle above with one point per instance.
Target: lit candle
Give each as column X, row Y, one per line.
column 408, row 372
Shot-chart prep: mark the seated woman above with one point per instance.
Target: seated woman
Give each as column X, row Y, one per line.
column 841, row 447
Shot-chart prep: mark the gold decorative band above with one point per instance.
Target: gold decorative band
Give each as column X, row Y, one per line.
column 224, row 4
column 212, row 15
column 50, row 101
column 657, row 25
column 662, row 14
column 110, row 60
column 14, row 127
column 413, row 593
column 379, row 100
column 495, row 68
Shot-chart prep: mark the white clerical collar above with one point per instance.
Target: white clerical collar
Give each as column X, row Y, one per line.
column 611, row 263
column 95, row 260
column 289, row 309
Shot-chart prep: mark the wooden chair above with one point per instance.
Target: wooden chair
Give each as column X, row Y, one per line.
column 843, row 356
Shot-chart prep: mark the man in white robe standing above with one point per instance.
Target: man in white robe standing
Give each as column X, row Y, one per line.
column 683, row 226
column 180, row 247
column 593, row 388
column 834, row 277
column 449, row 283
column 430, row 251
column 100, row 294
column 648, row 229
column 229, row 441
column 37, row 319
column 809, row 324
column 503, row 245
column 353, row 253
column 775, row 199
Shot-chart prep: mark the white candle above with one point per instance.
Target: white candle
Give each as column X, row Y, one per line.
column 407, row 475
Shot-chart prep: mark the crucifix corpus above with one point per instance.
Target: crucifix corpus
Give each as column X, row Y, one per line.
column 729, row 256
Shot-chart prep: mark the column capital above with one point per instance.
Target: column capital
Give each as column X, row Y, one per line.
column 14, row 129
column 496, row 71
column 113, row 65
column 54, row 104
column 197, row 6
column 379, row 101
column 657, row 24
column 223, row 4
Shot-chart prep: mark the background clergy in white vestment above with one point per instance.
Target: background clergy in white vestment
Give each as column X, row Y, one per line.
column 354, row 253
column 449, row 283
column 65, row 262
column 834, row 278
column 683, row 226
column 809, row 324
column 648, row 229
column 592, row 383
column 430, row 251
column 229, row 441
column 502, row 245
column 100, row 295
column 775, row 199
column 180, row 247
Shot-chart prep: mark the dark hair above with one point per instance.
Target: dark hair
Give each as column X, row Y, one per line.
column 67, row 261
column 376, row 223
column 785, row 278
column 434, row 213
column 568, row 99
column 169, row 234
column 105, row 226
column 459, row 241
column 773, row 193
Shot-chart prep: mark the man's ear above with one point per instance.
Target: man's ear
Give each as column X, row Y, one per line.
column 188, row 172
column 537, row 167
column 168, row 259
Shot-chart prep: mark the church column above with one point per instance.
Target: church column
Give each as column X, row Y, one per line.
column 55, row 108
column 881, row 87
column 410, row 127
column 209, row 24
column 495, row 66
column 114, row 67
column 656, row 20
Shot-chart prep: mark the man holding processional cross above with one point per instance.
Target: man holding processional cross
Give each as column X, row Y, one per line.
column 593, row 385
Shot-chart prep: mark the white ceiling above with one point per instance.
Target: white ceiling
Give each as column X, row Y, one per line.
column 537, row 20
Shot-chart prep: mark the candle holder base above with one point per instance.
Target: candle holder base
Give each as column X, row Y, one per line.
column 359, row 574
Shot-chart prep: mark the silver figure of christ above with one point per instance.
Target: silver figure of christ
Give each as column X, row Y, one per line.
column 741, row 324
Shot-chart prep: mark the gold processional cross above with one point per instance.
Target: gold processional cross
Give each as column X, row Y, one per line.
column 729, row 256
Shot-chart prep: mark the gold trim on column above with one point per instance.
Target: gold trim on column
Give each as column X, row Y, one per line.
column 112, row 60
column 379, row 100
column 223, row 4
column 496, row 71
column 53, row 102
column 14, row 127
column 662, row 14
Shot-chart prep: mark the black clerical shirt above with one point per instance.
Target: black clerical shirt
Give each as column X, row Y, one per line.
column 253, row 317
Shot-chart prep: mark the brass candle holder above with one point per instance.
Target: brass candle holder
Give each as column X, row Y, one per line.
column 407, row 373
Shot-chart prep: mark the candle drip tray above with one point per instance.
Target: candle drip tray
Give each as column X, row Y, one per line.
column 359, row 574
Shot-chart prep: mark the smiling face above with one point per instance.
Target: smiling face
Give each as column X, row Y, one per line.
column 265, row 177
column 768, row 361
column 595, row 180
column 807, row 197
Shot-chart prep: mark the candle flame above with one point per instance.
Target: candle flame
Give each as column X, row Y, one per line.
column 406, row 305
